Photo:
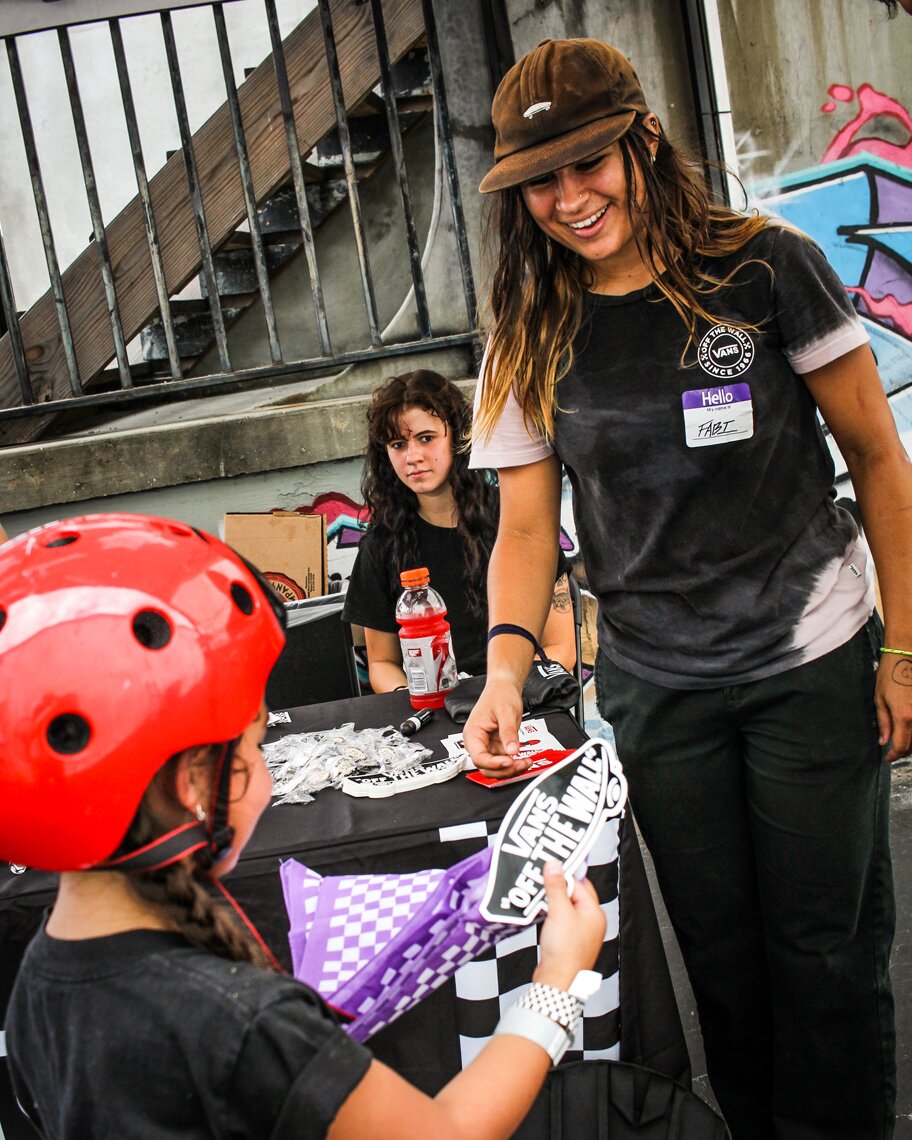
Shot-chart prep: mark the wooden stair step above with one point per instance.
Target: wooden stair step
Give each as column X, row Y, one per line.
column 412, row 74
column 235, row 269
column 280, row 214
column 369, row 142
column 193, row 329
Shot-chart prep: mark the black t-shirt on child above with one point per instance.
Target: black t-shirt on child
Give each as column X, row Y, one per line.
column 141, row 1035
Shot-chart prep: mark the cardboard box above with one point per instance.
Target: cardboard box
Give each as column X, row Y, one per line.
column 287, row 547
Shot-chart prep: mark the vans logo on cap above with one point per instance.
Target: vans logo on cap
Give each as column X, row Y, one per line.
column 534, row 108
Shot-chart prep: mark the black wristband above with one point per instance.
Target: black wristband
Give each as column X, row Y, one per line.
column 520, row 631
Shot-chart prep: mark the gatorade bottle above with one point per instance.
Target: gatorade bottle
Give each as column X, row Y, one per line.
column 427, row 651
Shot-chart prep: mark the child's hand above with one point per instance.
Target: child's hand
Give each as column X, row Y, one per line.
column 572, row 933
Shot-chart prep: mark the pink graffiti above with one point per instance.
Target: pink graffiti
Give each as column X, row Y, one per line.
column 332, row 504
column 872, row 103
column 841, row 92
column 887, row 307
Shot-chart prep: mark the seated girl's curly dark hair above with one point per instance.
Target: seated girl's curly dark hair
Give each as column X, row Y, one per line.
column 393, row 508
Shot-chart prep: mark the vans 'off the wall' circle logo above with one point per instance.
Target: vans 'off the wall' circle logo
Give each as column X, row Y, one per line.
column 726, row 352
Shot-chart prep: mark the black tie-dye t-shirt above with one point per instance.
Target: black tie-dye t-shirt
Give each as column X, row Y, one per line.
column 702, row 483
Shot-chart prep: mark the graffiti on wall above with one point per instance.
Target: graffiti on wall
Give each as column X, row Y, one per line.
column 346, row 521
column 857, row 205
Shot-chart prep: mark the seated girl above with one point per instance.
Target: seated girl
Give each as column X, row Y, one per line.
column 428, row 509
column 143, row 1006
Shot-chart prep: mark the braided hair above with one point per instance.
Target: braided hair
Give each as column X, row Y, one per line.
column 183, row 890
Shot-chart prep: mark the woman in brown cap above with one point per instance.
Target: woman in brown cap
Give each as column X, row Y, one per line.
column 672, row 354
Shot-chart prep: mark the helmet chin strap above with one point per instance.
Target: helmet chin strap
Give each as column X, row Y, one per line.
column 208, row 841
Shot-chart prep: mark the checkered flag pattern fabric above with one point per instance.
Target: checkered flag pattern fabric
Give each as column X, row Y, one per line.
column 338, row 947
column 486, row 987
column 335, row 949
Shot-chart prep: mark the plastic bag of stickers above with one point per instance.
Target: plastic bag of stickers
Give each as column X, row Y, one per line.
column 610, row 1100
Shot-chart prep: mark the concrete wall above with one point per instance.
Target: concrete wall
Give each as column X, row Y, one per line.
column 335, row 486
column 649, row 32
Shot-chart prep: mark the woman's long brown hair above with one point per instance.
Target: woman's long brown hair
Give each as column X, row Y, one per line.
column 537, row 298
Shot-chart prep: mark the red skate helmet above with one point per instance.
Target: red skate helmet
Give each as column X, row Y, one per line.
column 123, row 640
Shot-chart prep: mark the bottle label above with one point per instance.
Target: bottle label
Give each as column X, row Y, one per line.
column 429, row 663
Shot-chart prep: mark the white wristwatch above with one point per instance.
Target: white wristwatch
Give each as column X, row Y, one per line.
column 549, row 1016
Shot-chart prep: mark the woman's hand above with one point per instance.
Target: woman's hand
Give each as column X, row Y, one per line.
column 491, row 733
column 893, row 700
column 573, row 932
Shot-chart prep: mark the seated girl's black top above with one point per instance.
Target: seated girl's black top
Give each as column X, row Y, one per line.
column 374, row 589
column 140, row 1034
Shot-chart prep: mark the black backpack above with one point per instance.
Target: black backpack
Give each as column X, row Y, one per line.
column 611, row 1100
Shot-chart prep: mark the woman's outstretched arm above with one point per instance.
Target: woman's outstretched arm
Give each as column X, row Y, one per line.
column 520, row 589
column 851, row 400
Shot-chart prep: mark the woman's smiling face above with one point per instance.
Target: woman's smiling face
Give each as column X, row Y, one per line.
column 584, row 206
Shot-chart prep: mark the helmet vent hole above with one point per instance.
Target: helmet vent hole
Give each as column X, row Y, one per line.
column 68, row 733
column 2, row 617
column 63, row 540
column 151, row 630
column 243, row 599
column 199, row 533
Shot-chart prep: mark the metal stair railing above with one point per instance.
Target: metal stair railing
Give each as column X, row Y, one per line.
column 53, row 357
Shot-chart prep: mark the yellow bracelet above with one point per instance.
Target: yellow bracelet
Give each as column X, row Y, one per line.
column 899, row 652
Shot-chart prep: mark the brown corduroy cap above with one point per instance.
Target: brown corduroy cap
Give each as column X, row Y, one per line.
column 562, row 102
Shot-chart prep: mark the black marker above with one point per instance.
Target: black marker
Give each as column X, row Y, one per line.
column 416, row 721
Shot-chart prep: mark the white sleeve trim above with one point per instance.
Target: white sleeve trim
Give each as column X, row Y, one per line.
column 828, row 348
column 510, row 443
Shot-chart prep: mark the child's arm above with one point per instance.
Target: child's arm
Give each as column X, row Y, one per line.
column 490, row 1097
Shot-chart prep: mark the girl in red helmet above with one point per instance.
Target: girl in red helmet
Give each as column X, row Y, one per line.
column 134, row 653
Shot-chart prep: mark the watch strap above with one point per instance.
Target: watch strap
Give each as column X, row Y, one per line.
column 536, row 1027
column 558, row 1005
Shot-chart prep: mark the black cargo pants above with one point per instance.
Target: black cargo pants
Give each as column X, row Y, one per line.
column 766, row 809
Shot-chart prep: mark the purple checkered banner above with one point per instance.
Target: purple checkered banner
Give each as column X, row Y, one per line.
column 376, row 945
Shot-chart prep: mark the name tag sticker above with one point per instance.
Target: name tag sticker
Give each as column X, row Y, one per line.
column 718, row 415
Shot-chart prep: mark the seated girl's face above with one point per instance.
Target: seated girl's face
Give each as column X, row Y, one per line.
column 422, row 454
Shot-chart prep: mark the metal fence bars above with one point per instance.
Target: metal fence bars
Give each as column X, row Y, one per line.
column 57, row 355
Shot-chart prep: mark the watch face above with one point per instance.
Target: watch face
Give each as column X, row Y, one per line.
column 585, row 984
